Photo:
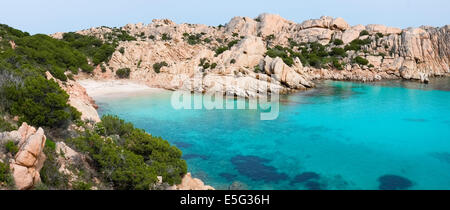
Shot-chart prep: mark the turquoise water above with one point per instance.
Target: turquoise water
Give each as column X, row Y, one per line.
column 347, row 134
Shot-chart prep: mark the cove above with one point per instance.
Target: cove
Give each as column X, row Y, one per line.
column 340, row 135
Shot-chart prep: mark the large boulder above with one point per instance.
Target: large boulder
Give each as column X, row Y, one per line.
column 30, row 158
column 285, row 74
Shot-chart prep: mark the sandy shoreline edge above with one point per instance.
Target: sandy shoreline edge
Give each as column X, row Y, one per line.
column 116, row 88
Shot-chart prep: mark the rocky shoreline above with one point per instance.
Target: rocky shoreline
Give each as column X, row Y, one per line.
column 193, row 59
column 165, row 55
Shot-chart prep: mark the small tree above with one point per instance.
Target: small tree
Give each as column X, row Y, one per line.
column 364, row 33
column 157, row 66
column 123, row 73
column 338, row 42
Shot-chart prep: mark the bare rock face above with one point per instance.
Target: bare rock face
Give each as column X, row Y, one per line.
column 243, row 68
column 326, row 22
column 286, row 74
column 190, row 183
column 30, row 158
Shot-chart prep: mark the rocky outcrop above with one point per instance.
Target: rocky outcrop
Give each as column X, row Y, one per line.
column 28, row 161
column 78, row 98
column 393, row 53
column 190, row 183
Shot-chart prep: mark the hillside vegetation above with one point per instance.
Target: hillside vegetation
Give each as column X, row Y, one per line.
column 120, row 155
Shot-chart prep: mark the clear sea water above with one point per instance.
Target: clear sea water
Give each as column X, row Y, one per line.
column 349, row 134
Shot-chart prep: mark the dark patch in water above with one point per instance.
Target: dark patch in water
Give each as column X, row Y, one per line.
column 238, row 186
column 415, row 120
column 181, row 144
column 255, row 168
column 313, row 185
column 193, row 156
column 442, row 156
column 394, row 182
column 228, row 176
column 306, row 176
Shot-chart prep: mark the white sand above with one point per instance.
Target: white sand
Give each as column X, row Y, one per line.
column 115, row 88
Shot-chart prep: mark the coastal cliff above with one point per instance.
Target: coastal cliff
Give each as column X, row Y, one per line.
column 247, row 55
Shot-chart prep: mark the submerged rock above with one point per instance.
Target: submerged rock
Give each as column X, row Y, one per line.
column 305, row 176
column 394, row 182
column 255, row 168
column 313, row 185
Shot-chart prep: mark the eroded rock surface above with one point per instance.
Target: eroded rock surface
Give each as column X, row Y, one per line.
column 30, row 158
column 393, row 53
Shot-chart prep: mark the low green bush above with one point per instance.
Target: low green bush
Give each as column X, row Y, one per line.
column 338, row 42
column 5, row 175
column 123, row 73
column 360, row 60
column 11, row 147
column 157, row 66
column 364, row 33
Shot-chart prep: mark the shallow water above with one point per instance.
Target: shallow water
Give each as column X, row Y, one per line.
column 348, row 134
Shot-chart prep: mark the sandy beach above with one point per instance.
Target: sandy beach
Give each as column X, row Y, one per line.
column 116, row 88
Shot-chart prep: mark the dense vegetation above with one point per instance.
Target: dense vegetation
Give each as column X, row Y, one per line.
column 194, row 39
column 129, row 158
column 6, row 180
column 123, row 157
column 24, row 90
column 317, row 55
column 90, row 46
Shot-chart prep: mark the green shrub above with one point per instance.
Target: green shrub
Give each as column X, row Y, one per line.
column 123, row 73
column 233, row 61
column 51, row 177
column 235, row 34
column 122, row 50
column 204, row 63
column 213, row 65
column 232, row 43
column 11, row 147
column 90, row 46
column 131, row 158
column 193, row 39
column 5, row 125
column 380, row 35
column 281, row 52
column 157, row 66
column 257, row 69
column 360, row 60
column 41, row 102
column 364, row 33
column 337, row 64
column 54, row 55
column 220, row 50
column 357, row 44
column 50, row 144
column 166, row 37
column 335, row 51
column 5, row 175
column 80, row 185
column 338, row 42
